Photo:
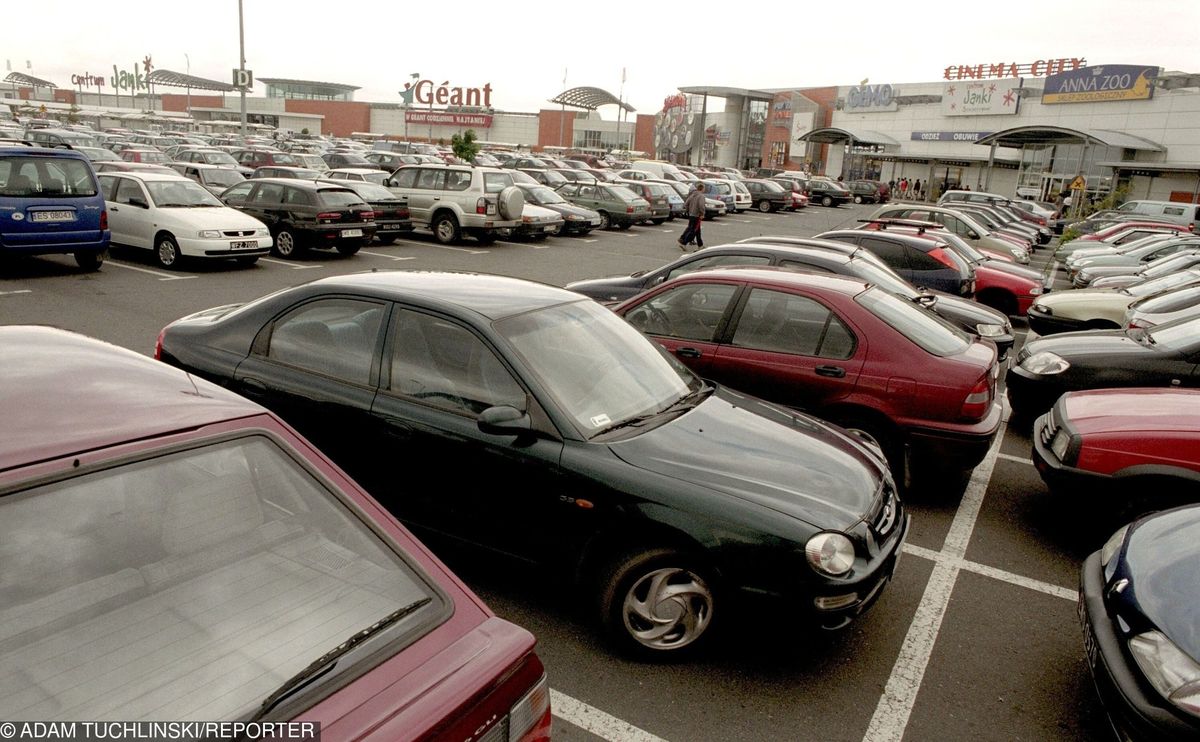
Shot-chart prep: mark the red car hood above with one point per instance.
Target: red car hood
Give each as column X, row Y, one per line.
column 1132, row 410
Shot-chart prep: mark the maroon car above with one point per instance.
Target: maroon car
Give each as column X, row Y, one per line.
column 1132, row 450
column 838, row 348
column 172, row 551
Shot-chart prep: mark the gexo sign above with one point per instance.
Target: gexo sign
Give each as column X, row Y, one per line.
column 871, row 98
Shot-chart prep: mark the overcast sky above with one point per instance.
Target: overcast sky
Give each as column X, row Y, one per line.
column 522, row 48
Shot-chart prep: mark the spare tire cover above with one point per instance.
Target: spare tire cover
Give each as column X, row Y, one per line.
column 512, row 202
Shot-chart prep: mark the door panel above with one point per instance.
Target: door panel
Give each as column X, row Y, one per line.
column 686, row 320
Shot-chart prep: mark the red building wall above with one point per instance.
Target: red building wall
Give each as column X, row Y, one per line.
column 549, row 134
column 643, row 134
column 342, row 118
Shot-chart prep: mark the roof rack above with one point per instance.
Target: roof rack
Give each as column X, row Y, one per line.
column 919, row 224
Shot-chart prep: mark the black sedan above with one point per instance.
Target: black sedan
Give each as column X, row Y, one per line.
column 532, row 421
column 810, row 254
column 828, row 193
column 392, row 219
column 1138, row 605
column 864, row 191
column 304, row 214
column 1167, row 355
column 767, row 195
column 576, row 219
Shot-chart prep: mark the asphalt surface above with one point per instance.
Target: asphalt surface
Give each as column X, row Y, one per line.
column 976, row 637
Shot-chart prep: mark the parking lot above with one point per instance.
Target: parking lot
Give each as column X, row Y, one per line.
column 976, row 637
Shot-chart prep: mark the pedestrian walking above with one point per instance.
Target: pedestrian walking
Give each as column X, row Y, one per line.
column 694, row 208
column 917, row 189
column 903, row 187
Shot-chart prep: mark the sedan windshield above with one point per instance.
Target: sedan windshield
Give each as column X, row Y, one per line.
column 600, row 369
column 884, row 278
column 223, row 177
column 220, row 158
column 179, row 194
column 1179, row 336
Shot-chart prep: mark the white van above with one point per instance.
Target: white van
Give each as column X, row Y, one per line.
column 1173, row 211
column 661, row 170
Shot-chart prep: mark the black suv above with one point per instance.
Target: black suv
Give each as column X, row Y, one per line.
column 808, row 254
column 392, row 219
column 303, row 214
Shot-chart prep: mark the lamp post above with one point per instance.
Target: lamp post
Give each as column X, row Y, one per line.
column 189, row 87
column 242, row 63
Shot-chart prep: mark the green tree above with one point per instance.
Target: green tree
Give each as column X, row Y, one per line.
column 465, row 147
column 304, row 131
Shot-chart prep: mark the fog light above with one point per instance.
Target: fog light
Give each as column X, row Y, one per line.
column 833, row 602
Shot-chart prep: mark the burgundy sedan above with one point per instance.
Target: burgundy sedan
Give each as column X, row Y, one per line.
column 172, row 551
column 838, row 348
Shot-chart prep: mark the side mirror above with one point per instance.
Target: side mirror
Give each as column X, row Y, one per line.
column 504, row 420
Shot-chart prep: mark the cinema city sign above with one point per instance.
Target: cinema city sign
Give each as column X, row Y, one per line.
column 426, row 93
column 1040, row 68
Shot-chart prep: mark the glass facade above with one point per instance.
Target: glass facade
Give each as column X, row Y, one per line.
column 303, row 91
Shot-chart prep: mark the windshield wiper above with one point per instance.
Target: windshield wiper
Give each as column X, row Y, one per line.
column 326, row 662
column 687, row 401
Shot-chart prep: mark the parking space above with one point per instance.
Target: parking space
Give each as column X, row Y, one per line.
column 976, row 637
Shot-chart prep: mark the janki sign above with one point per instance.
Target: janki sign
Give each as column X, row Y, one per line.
column 137, row 78
column 981, row 98
column 426, row 93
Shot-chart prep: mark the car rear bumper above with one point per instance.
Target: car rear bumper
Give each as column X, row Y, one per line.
column 1133, row 712
column 87, row 242
column 957, row 446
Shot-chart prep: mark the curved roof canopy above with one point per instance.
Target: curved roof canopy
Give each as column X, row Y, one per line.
column 311, row 83
column 180, row 80
column 1046, row 135
column 21, row 78
column 589, row 98
column 719, row 91
column 833, row 135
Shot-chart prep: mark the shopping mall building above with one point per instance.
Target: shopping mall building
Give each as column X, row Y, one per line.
column 1027, row 127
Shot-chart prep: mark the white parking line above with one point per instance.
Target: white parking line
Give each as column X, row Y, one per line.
column 163, row 276
column 18, row 291
column 590, row 240
column 998, row 574
column 293, row 266
column 900, row 694
column 443, row 247
column 385, row 255
column 592, row 719
column 1017, row 459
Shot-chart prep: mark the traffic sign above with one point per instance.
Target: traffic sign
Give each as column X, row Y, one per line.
column 243, row 79
column 1079, row 184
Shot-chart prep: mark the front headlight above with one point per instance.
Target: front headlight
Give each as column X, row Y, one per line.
column 1043, row 309
column 1172, row 673
column 1045, row 363
column 986, row 330
column 830, row 553
column 1035, row 291
column 574, row 218
column 262, row 232
column 209, row 234
column 1113, row 545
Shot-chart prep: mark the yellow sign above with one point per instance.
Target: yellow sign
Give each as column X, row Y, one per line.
column 1078, row 184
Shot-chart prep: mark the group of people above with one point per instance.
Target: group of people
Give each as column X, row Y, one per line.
column 906, row 188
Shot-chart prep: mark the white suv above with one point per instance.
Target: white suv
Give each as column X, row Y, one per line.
column 457, row 200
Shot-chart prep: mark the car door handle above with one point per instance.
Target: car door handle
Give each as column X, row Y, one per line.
column 115, row 209
column 251, row 385
column 836, row 372
column 397, row 428
column 687, row 352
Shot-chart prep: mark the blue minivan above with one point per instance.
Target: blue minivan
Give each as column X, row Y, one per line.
column 51, row 203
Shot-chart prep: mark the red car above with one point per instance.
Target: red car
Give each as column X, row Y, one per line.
column 174, row 551
column 1102, row 235
column 1140, row 446
column 838, row 348
column 999, row 284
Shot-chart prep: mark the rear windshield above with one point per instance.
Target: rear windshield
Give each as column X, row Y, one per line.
column 720, row 188
column 46, row 177
column 332, row 197
column 373, row 192
column 496, row 182
column 202, row 579
column 223, row 177
column 623, row 194
column 919, row 325
column 1170, row 302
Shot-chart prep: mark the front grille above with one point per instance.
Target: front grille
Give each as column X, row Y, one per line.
column 1049, row 430
column 238, row 232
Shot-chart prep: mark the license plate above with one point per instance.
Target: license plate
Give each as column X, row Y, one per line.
column 390, row 226
column 352, row 233
column 1089, row 639
column 248, row 244
column 51, row 216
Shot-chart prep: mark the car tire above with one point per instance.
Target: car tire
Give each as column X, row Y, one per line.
column 247, row 260
column 764, row 206
column 886, row 438
column 166, row 252
column 657, row 603
column 605, row 222
column 858, row 199
column 445, row 228
column 657, row 222
column 827, row 201
column 623, row 226
column 348, row 250
column 285, row 245
column 485, row 238
column 90, row 260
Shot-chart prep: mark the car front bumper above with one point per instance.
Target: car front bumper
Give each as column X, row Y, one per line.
column 221, row 248
column 1136, row 712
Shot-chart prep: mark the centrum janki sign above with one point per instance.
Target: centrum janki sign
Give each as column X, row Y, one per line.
column 1109, row 82
column 980, row 97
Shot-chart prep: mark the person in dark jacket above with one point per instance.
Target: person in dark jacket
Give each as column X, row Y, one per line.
column 694, row 208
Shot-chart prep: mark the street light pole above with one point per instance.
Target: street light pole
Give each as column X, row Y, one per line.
column 189, row 88
column 242, row 62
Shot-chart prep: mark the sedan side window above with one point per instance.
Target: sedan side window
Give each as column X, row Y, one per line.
column 446, row 365
column 690, row 312
column 238, row 193
column 269, row 193
column 334, row 337
column 891, row 253
column 919, row 261
column 786, row 323
column 108, row 184
column 717, row 260
column 128, row 190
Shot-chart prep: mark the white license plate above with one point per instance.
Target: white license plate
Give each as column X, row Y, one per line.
column 352, row 233
column 51, row 216
column 246, row 245
column 595, row 222
column 389, row 226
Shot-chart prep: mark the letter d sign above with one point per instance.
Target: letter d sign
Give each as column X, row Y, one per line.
column 243, row 79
